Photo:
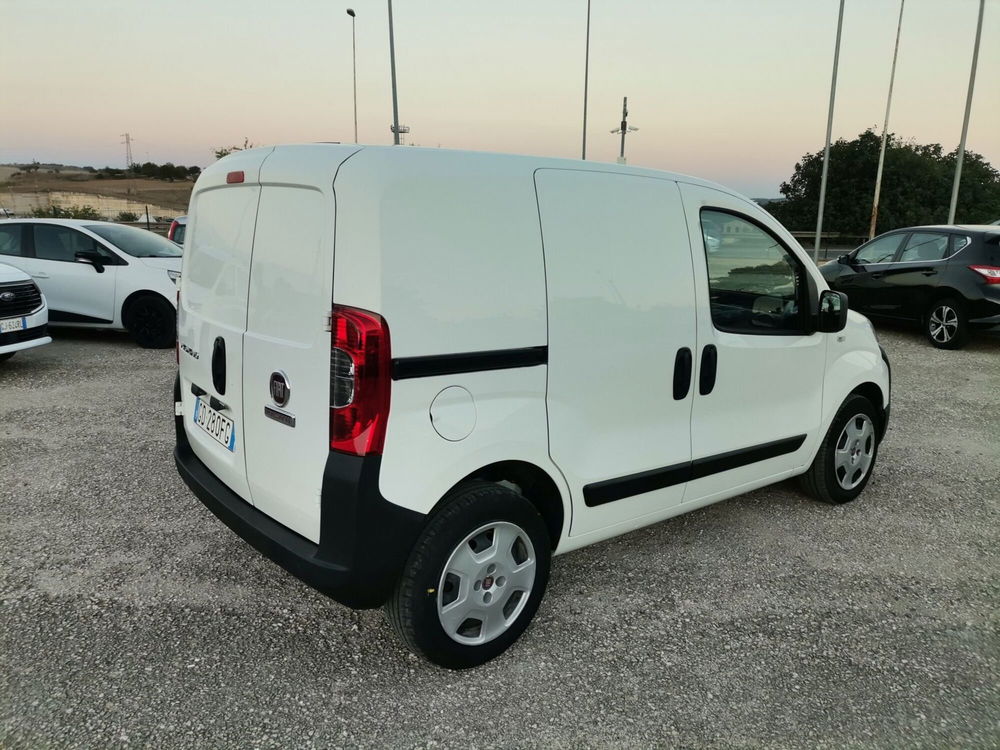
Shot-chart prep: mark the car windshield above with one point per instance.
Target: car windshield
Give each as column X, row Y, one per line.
column 138, row 243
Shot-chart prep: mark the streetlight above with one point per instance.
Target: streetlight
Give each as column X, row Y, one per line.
column 586, row 73
column 829, row 134
column 960, row 156
column 354, row 56
column 392, row 65
column 624, row 129
column 885, row 127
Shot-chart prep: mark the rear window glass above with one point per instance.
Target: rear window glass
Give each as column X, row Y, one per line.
column 138, row 243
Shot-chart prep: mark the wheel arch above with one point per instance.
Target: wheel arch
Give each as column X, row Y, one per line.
column 531, row 481
column 131, row 299
column 873, row 393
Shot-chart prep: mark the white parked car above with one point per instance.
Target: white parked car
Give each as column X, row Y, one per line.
column 99, row 274
column 23, row 315
column 411, row 376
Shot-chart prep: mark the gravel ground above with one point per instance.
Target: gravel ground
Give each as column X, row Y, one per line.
column 132, row 617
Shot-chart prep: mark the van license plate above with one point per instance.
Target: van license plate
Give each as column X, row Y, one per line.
column 13, row 324
column 220, row 428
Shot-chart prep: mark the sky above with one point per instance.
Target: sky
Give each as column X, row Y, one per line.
column 734, row 91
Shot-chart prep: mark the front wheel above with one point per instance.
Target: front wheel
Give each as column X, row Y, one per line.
column 846, row 457
column 152, row 322
column 474, row 579
column 947, row 325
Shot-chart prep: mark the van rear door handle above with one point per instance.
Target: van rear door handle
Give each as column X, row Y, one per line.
column 682, row 373
column 709, row 365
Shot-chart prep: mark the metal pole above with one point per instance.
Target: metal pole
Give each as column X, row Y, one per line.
column 621, row 154
column 586, row 76
column 829, row 134
column 885, row 126
column 354, row 57
column 965, row 123
column 392, row 63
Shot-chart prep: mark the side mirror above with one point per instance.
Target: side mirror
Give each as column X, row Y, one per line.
column 832, row 311
column 845, row 259
column 93, row 258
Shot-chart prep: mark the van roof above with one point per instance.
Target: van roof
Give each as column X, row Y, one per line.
column 534, row 162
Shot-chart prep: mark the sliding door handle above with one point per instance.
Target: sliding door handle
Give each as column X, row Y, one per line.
column 682, row 373
column 709, row 365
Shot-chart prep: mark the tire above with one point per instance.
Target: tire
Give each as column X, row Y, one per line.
column 947, row 324
column 850, row 447
column 151, row 322
column 5, row 357
column 447, row 582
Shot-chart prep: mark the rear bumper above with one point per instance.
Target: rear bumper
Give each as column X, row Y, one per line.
column 364, row 539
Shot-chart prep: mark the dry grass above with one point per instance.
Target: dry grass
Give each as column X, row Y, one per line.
column 173, row 195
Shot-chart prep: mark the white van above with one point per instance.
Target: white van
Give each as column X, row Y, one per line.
column 411, row 376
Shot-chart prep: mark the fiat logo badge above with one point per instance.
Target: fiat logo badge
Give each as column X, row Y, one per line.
column 281, row 391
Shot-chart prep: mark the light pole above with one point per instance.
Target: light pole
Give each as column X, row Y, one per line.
column 392, row 65
column 829, row 134
column 885, row 127
column 586, row 75
column 965, row 122
column 624, row 129
column 354, row 57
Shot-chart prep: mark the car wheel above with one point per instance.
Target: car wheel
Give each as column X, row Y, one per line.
column 5, row 357
column 846, row 457
column 474, row 579
column 947, row 325
column 152, row 322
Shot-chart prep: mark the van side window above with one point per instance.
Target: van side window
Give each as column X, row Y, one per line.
column 755, row 284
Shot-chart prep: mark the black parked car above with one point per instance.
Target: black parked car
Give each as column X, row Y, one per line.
column 945, row 277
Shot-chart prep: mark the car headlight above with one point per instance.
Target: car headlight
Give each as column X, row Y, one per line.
column 174, row 275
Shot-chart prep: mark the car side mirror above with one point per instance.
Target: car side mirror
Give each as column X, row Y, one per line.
column 845, row 259
column 832, row 311
column 93, row 258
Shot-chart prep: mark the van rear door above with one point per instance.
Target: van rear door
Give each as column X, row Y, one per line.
column 212, row 315
column 287, row 340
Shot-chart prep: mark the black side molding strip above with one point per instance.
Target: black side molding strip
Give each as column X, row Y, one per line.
column 451, row 364
column 609, row 490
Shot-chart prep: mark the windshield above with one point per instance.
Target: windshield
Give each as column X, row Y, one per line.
column 138, row 243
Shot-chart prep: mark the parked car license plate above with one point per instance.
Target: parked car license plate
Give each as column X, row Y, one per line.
column 220, row 428
column 13, row 324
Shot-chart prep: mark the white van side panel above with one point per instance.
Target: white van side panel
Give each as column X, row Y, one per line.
column 445, row 246
column 621, row 308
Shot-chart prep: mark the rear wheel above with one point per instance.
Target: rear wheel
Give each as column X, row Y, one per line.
column 474, row 579
column 152, row 322
column 846, row 457
column 947, row 325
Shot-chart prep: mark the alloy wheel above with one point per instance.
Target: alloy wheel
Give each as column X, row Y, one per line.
column 486, row 583
column 854, row 452
column 943, row 324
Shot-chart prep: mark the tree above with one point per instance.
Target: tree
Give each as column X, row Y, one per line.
column 227, row 150
column 127, row 216
column 916, row 187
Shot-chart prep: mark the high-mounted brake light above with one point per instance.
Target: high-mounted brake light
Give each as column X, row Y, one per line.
column 990, row 273
column 234, row 177
column 359, row 381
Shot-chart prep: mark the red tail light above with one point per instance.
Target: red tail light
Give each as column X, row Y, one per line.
column 359, row 381
column 990, row 273
column 170, row 232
